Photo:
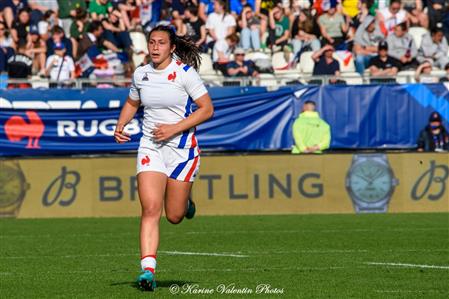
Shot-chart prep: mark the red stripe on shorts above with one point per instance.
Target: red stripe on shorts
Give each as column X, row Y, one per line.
column 189, row 174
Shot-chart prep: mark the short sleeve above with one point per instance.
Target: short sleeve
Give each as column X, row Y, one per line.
column 194, row 85
column 230, row 21
column 134, row 91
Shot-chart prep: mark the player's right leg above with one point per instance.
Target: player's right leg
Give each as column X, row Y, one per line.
column 151, row 187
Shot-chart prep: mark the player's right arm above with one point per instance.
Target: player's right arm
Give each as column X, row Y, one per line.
column 126, row 115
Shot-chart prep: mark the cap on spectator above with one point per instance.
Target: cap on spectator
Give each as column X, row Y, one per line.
column 59, row 46
column 383, row 45
column 239, row 51
column 34, row 29
column 434, row 117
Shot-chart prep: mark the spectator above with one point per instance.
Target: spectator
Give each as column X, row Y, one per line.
column 391, row 16
column 241, row 67
column 220, row 24
column 7, row 46
column 367, row 37
column 325, row 64
column 36, row 49
column 415, row 14
column 194, row 27
column 434, row 48
column 423, row 73
column 402, row 47
column 333, row 27
column 312, row 134
column 20, row 66
column 434, row 137
column 303, row 34
column 279, row 32
column 383, row 65
column 19, row 31
column 222, row 51
column 124, row 8
column 67, row 12
column 99, row 9
column 250, row 25
column 437, row 12
column 115, row 31
column 58, row 36
column 78, row 28
column 60, row 67
column 93, row 37
column 9, row 10
column 40, row 7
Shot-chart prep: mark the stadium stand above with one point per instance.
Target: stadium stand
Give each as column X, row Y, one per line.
column 137, row 21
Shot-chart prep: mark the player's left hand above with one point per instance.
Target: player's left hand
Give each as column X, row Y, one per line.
column 163, row 132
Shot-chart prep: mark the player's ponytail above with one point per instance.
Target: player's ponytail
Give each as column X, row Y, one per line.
column 186, row 49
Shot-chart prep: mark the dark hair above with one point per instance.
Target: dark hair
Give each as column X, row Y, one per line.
column 309, row 102
column 395, row 1
column 193, row 9
column 94, row 26
column 185, row 47
column 435, row 30
column 233, row 37
column 22, row 44
column 80, row 13
column 57, row 29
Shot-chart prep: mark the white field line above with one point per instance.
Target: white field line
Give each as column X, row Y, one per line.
column 238, row 254
column 297, row 231
column 408, row 265
column 201, row 253
column 225, row 254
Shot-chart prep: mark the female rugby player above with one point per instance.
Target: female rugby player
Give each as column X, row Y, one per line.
column 168, row 156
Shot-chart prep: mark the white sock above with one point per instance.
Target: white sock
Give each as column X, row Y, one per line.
column 148, row 263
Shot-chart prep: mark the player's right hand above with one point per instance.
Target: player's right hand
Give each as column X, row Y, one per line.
column 120, row 136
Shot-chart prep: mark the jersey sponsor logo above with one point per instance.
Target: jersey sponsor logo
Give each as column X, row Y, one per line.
column 17, row 128
column 145, row 77
column 172, row 77
column 145, row 161
column 178, row 62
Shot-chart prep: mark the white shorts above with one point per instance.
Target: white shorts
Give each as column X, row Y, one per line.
column 176, row 163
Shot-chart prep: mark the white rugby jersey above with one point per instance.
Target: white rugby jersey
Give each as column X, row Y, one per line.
column 167, row 96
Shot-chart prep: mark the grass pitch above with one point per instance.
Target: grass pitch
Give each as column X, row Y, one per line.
column 313, row 256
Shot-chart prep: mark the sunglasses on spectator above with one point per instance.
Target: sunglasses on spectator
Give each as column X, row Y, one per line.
column 239, row 54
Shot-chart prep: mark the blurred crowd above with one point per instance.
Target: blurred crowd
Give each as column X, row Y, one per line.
column 66, row 39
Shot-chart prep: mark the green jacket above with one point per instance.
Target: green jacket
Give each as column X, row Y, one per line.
column 309, row 130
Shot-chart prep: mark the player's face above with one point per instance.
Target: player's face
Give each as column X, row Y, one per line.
column 159, row 47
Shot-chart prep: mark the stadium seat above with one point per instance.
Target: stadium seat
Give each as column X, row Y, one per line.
column 352, row 78
column 417, row 34
column 306, row 62
column 406, row 77
column 268, row 80
column 279, row 62
column 140, row 47
column 346, row 61
column 206, row 67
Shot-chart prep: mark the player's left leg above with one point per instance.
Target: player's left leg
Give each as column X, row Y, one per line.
column 177, row 203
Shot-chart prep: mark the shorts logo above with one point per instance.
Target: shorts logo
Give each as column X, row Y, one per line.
column 145, row 161
column 172, row 77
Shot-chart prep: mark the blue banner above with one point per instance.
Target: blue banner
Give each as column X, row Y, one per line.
column 246, row 119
